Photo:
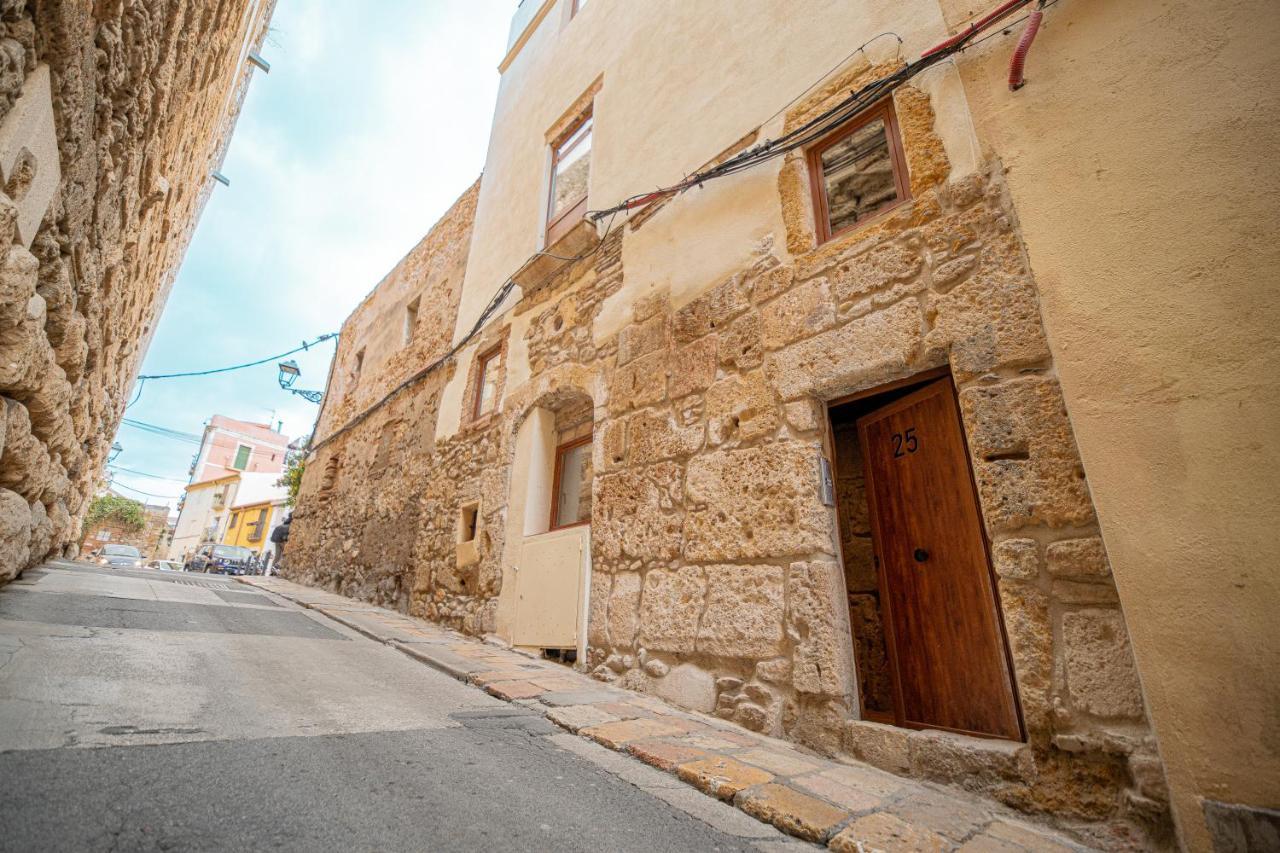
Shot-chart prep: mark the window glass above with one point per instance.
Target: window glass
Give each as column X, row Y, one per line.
column 857, row 172
column 487, row 384
column 572, row 157
column 242, row 457
column 573, row 498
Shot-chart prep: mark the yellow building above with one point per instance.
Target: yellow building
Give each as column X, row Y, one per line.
column 251, row 524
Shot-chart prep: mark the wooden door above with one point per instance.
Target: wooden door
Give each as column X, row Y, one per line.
column 945, row 637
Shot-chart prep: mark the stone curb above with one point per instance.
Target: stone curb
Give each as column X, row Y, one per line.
column 807, row 811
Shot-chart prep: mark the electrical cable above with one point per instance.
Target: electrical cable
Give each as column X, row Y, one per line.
column 122, row 470
column 494, row 304
column 306, row 345
column 807, row 133
column 115, row 485
column 818, row 126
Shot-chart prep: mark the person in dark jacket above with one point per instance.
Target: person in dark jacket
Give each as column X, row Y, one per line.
column 279, row 536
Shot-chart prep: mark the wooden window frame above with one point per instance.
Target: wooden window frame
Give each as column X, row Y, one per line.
column 897, row 157
column 482, row 365
column 555, row 482
column 558, row 226
column 248, row 457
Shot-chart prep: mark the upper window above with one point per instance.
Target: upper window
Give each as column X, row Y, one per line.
column 235, row 519
column 411, row 320
column 572, row 487
column 242, row 457
column 858, row 172
column 570, row 170
column 486, row 390
column 357, row 366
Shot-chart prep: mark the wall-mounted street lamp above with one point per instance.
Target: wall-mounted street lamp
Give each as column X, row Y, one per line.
column 220, row 178
column 257, row 60
column 116, row 450
column 289, row 374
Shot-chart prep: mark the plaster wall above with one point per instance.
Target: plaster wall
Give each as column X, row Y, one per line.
column 1139, row 157
column 726, row 70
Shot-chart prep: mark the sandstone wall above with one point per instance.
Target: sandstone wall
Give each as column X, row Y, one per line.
column 717, row 572
column 138, row 99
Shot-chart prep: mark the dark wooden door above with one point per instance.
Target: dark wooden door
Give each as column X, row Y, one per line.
column 946, row 642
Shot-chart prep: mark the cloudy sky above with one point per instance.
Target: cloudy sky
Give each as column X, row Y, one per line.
column 374, row 118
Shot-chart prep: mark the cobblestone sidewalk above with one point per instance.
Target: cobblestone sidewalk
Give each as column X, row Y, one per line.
column 847, row 807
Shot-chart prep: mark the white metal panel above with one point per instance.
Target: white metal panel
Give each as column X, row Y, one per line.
column 549, row 589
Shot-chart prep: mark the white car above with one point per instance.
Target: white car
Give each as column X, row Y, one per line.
column 165, row 565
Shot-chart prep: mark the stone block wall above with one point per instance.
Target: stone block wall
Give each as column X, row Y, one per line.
column 719, row 579
column 115, row 113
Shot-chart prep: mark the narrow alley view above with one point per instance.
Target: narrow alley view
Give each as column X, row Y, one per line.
column 597, row 425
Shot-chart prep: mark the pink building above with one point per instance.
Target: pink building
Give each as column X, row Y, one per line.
column 230, row 445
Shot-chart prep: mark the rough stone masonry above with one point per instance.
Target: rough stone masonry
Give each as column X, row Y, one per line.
column 717, row 580
column 112, row 115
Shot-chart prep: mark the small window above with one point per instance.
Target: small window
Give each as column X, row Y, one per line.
column 242, row 457
column 255, row 535
column 858, row 172
column 486, row 390
column 570, row 171
column 468, row 518
column 235, row 519
column 572, row 485
column 411, row 320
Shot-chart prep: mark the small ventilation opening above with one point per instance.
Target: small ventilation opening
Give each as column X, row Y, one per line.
column 468, row 518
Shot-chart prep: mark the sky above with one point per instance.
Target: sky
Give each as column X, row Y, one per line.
column 373, row 120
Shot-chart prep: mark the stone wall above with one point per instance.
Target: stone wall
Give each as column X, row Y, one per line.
column 111, row 117
column 151, row 540
column 717, row 577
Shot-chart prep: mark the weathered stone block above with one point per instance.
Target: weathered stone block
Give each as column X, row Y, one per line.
column 755, row 503
column 990, row 321
column 1016, row 558
column 802, row 313
column 773, row 283
column 640, row 383
column 970, row 761
column 741, row 407
column 624, row 609
column 886, row 747
column 741, row 346
column 1030, row 634
column 873, row 270
column 814, row 606
column 642, row 338
column 794, row 813
column 670, row 605
column 711, row 311
column 1101, row 676
column 743, row 615
column 689, row 687
column 857, row 354
column 695, row 366
column 883, row 831
column 1024, row 453
column 635, row 515
column 655, row 436
column 1084, row 559
column 15, row 534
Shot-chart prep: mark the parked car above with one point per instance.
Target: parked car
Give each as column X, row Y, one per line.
column 221, row 559
column 119, row 557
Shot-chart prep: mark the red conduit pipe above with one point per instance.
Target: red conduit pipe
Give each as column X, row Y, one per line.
column 978, row 25
column 1019, row 59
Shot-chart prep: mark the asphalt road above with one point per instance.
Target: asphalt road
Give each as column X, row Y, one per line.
column 142, row 710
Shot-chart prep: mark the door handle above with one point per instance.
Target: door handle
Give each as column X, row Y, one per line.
column 921, row 555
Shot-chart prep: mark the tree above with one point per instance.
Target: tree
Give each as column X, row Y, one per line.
column 295, row 463
column 115, row 509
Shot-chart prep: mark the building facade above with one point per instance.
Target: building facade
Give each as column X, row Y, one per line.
column 112, row 118
column 152, row 540
column 879, row 444
column 207, row 508
column 229, row 445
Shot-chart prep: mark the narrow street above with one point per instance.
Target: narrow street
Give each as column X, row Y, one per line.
column 143, row 710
